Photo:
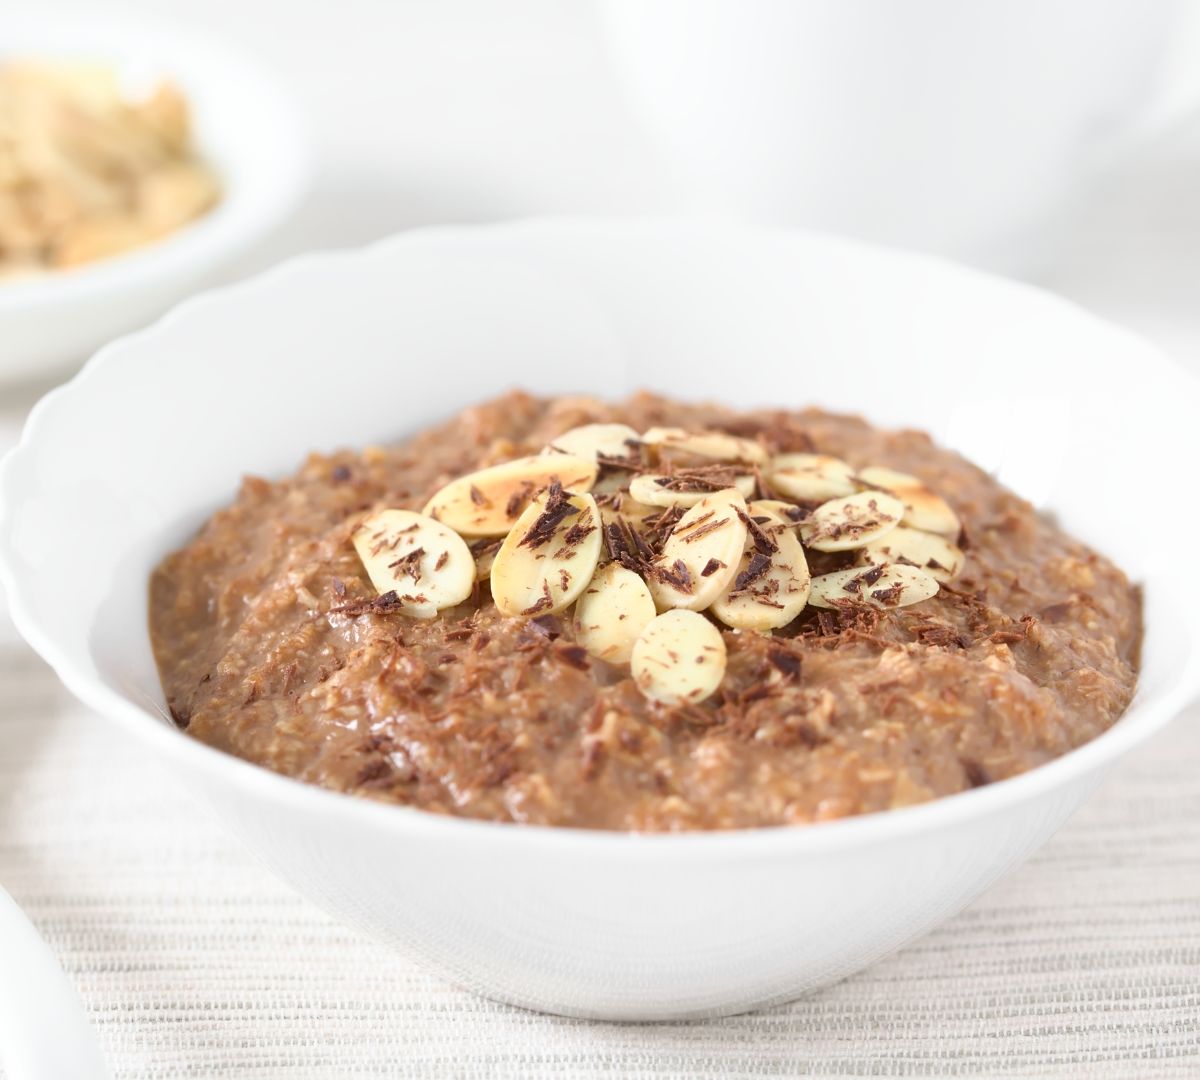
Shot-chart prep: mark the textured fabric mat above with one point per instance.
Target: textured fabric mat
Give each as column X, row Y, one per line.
column 194, row 962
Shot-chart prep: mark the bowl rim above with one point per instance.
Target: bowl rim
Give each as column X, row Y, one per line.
column 224, row 231
column 1141, row 720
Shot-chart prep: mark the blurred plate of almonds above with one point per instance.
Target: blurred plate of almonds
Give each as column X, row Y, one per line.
column 138, row 164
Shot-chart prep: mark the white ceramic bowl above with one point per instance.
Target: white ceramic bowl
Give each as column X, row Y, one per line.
column 124, row 463
column 246, row 126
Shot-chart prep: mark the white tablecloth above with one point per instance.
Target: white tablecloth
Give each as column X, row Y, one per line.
column 194, row 962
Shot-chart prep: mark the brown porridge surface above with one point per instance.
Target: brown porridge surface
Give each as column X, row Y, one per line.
column 1030, row 653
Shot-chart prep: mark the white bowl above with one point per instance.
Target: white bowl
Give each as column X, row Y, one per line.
column 246, row 126
column 123, row 463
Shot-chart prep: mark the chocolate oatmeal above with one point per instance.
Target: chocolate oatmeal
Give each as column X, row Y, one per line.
column 645, row 616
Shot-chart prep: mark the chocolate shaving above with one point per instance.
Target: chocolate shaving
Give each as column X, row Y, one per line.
column 547, row 626
column 707, row 478
column 379, row 605
column 763, row 542
column 785, row 661
column 409, row 564
column 573, row 655
column 544, row 602
column 485, row 546
column 941, row 635
column 703, row 530
column 581, row 529
column 627, row 546
column 711, row 567
column 518, row 499
column 759, row 565
column 557, row 507
column 478, row 497
column 890, row 596
column 661, row 525
column 677, row 576
column 698, row 522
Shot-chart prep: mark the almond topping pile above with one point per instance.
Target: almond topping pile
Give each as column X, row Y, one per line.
column 655, row 538
column 89, row 170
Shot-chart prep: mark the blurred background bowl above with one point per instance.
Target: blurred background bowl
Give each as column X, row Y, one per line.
column 963, row 129
column 245, row 126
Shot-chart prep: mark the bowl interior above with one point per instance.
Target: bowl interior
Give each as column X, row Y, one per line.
column 345, row 350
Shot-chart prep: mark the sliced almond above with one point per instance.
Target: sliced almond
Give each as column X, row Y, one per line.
column 484, row 551
column 488, row 502
column 811, row 477
column 934, row 554
column 427, row 565
column 923, row 508
column 623, row 505
column 700, row 558
column 678, row 659
column 852, row 521
column 612, row 612
column 595, row 440
column 771, row 587
column 886, row 586
column 550, row 555
column 712, row 445
column 789, row 513
column 660, row 490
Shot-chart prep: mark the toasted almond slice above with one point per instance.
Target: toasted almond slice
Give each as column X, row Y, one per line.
column 550, row 555
column 653, row 490
column 923, row 508
column 903, row 546
column 594, row 440
column 484, row 551
column 610, row 484
column 771, row 587
column 427, row 565
column 886, row 586
column 789, row 513
column 811, row 477
column 700, row 558
column 488, row 502
column 713, row 445
column 613, row 610
column 852, row 521
column 679, row 658
column 624, row 505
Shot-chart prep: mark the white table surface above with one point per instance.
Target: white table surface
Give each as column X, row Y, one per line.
column 194, row 962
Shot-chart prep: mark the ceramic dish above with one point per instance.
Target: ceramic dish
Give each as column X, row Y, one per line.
column 246, row 127
column 123, row 463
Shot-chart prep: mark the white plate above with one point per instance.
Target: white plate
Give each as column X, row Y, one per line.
column 123, row 463
column 246, row 127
